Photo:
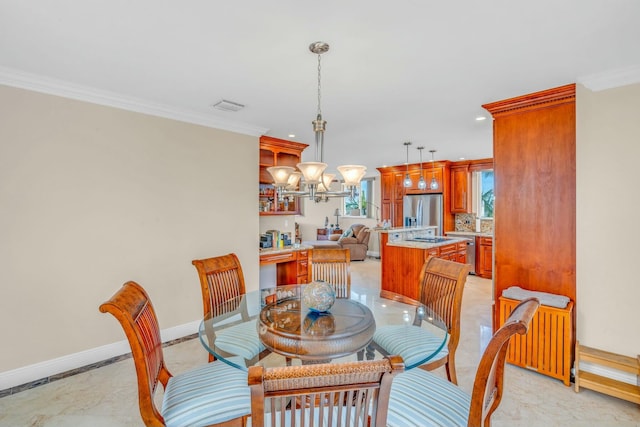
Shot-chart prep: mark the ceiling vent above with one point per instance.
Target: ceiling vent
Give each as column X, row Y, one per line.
column 225, row 105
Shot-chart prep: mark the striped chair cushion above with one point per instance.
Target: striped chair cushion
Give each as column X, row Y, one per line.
column 410, row 342
column 419, row 398
column 209, row 394
column 241, row 340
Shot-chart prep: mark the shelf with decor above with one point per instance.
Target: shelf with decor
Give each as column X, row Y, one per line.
column 277, row 152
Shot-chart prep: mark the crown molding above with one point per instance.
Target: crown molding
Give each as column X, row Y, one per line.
column 611, row 79
column 37, row 83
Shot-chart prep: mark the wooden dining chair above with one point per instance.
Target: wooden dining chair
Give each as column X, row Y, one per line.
column 330, row 394
column 222, row 284
column 420, row 398
column 214, row 393
column 334, row 267
column 441, row 284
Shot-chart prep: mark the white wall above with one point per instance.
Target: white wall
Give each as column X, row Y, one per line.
column 93, row 196
column 608, row 231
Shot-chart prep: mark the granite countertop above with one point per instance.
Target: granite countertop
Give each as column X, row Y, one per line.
column 405, row 229
column 286, row 249
column 425, row 245
column 467, row 233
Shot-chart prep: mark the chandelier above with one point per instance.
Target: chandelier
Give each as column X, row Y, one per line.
column 286, row 178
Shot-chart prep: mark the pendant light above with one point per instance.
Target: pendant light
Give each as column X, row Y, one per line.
column 422, row 184
column 434, row 182
column 407, row 179
column 286, row 178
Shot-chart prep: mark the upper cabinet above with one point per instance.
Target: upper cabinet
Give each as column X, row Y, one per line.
column 391, row 193
column 277, row 152
column 460, row 189
column 392, row 189
column 428, row 174
column 462, row 184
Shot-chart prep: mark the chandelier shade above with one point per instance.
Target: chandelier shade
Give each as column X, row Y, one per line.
column 434, row 181
column 407, row 179
column 422, row 184
column 281, row 175
column 352, row 174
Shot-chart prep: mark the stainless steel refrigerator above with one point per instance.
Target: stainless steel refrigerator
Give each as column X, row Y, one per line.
column 423, row 210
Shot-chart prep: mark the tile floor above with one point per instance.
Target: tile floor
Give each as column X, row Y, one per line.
column 107, row 396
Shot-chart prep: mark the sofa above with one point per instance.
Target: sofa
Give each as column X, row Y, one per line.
column 355, row 238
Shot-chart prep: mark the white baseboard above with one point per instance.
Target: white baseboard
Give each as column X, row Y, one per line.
column 373, row 254
column 47, row 368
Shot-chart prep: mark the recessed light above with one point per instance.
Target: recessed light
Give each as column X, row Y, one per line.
column 461, row 158
column 291, row 135
column 480, row 118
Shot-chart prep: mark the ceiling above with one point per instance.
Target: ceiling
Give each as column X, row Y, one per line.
column 404, row 71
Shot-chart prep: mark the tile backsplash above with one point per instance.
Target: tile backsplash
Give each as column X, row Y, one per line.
column 467, row 222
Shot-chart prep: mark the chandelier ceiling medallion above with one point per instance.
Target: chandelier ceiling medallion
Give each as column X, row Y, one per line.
column 286, row 178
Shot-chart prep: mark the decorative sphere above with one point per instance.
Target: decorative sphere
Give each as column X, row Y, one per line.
column 317, row 323
column 318, row 296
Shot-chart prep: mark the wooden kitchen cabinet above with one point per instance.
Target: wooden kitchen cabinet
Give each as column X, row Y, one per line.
column 484, row 258
column 428, row 174
column 460, row 189
column 277, row 152
column 401, row 267
column 302, row 266
column 291, row 266
column 392, row 190
column 534, row 150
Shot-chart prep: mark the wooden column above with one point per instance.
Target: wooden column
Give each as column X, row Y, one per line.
column 534, row 153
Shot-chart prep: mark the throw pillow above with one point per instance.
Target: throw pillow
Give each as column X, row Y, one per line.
column 348, row 233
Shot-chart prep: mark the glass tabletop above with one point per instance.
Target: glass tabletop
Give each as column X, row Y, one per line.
column 273, row 326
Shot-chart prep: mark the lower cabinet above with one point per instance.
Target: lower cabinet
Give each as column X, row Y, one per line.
column 291, row 266
column 484, row 259
column 303, row 266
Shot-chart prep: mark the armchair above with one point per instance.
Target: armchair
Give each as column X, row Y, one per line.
column 357, row 243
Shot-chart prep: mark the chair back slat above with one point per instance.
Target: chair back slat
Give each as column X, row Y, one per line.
column 334, row 267
column 333, row 394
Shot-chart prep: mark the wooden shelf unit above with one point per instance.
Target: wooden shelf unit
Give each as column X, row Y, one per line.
column 609, row 386
column 277, row 152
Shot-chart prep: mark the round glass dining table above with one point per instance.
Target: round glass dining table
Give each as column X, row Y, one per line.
column 248, row 329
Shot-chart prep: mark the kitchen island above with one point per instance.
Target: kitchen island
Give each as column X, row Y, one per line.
column 403, row 253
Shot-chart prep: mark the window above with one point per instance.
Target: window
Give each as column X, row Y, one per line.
column 359, row 204
column 486, row 195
